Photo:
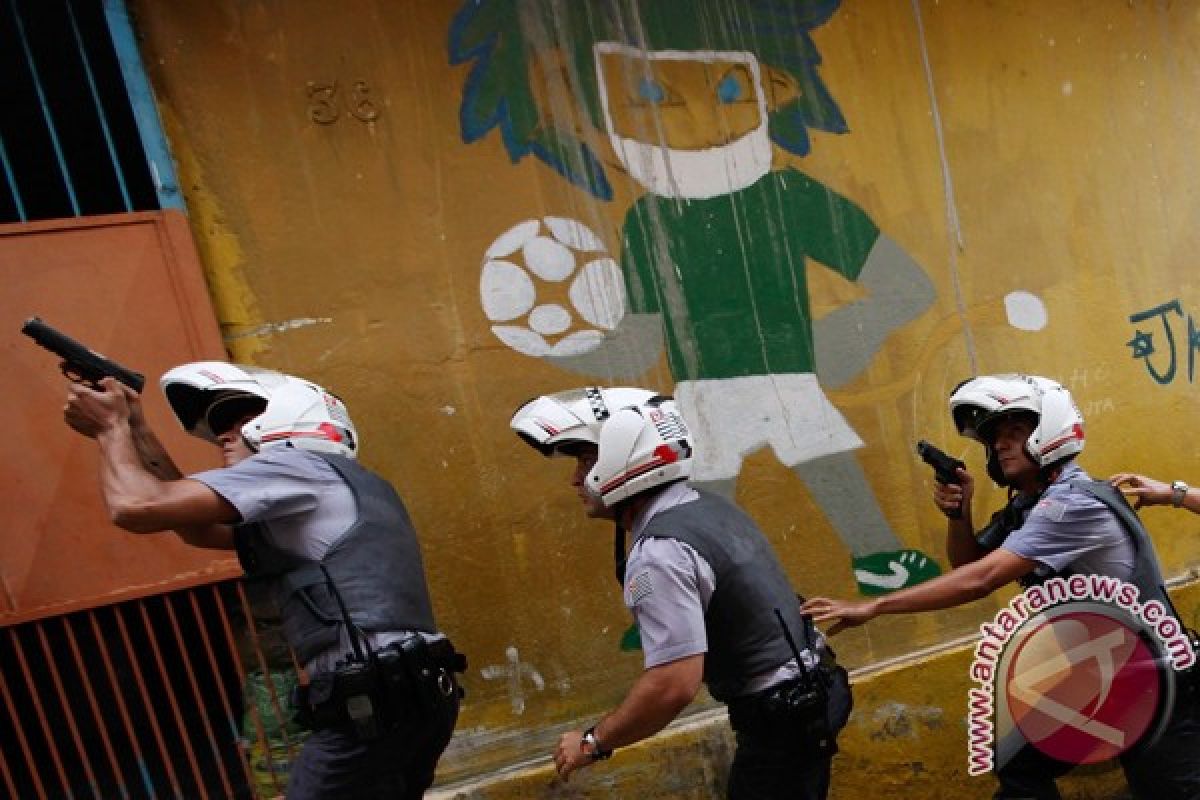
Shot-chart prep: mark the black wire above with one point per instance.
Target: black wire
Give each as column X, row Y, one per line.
column 352, row 630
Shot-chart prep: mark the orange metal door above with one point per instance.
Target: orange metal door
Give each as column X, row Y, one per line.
column 129, row 286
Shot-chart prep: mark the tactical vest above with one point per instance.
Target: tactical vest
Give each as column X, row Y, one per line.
column 1147, row 576
column 375, row 566
column 744, row 636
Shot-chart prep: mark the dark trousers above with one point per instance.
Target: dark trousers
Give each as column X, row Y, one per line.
column 766, row 773
column 771, row 767
column 1167, row 770
column 335, row 765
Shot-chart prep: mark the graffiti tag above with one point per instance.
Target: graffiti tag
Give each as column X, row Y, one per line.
column 1162, row 363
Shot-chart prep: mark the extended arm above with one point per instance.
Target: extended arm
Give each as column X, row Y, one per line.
column 656, row 698
column 153, row 456
column 150, row 450
column 963, row 585
column 138, row 480
column 897, row 292
column 1150, row 492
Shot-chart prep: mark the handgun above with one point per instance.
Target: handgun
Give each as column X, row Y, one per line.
column 945, row 468
column 80, row 364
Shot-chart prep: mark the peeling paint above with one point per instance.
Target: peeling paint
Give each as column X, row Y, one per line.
column 901, row 721
column 278, row 327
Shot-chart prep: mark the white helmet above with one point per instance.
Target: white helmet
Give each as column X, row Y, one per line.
column 641, row 439
column 979, row 402
column 292, row 412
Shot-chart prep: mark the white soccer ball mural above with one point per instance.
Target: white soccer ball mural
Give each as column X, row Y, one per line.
column 521, row 288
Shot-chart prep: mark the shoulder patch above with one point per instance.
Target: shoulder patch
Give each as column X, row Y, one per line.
column 1050, row 508
column 638, row 588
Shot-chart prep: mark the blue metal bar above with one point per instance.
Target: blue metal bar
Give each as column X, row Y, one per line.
column 46, row 115
column 12, row 181
column 108, row 140
column 145, row 112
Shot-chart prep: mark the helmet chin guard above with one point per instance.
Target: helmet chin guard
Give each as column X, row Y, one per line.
column 294, row 412
column 641, row 439
column 976, row 405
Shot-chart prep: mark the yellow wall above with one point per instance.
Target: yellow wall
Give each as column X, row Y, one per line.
column 344, row 233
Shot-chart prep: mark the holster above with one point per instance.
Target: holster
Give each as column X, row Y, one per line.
column 420, row 674
column 792, row 713
column 398, row 687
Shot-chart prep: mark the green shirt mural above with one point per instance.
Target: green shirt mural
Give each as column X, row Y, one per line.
column 741, row 258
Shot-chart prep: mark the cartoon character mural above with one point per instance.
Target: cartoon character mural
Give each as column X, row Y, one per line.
column 704, row 104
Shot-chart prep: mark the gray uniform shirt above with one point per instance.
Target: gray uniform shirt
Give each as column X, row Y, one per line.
column 668, row 586
column 304, row 507
column 1070, row 528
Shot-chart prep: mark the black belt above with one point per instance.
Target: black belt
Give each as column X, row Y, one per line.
column 403, row 682
column 780, row 707
column 792, row 716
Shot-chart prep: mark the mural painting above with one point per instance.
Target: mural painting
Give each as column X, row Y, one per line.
column 706, row 107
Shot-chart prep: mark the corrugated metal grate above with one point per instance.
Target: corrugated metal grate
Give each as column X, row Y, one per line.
column 141, row 700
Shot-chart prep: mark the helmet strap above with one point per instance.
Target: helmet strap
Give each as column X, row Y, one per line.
column 1049, row 473
column 619, row 558
column 993, row 468
column 623, row 513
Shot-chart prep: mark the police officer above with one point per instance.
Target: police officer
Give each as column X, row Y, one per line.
column 710, row 599
column 330, row 541
column 1058, row 522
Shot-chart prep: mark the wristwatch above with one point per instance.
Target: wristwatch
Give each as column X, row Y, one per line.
column 598, row 753
column 1179, row 491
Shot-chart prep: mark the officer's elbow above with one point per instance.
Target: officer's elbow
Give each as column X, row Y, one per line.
column 680, row 690
column 977, row 587
column 677, row 697
column 672, row 702
column 133, row 517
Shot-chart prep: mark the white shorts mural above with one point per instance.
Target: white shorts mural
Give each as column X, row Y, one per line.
column 739, row 416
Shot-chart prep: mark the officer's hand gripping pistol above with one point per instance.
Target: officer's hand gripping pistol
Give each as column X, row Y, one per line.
column 945, row 468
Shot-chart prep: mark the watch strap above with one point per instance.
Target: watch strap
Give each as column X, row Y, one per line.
column 598, row 752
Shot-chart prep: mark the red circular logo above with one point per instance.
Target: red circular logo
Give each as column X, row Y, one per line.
column 1083, row 687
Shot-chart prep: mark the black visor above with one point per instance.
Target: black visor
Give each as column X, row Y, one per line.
column 967, row 419
column 227, row 411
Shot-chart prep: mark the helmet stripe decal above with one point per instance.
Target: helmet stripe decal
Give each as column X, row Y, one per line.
column 621, row 480
column 1076, row 433
column 324, row 431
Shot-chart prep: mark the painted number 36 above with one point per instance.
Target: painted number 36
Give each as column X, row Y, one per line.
column 325, row 106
